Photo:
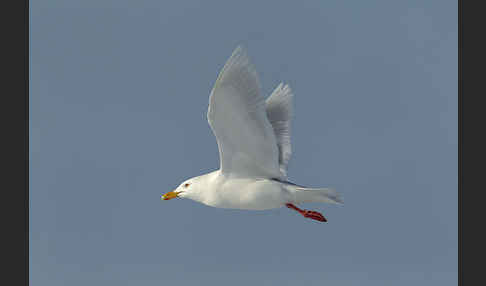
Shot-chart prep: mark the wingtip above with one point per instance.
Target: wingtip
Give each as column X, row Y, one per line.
column 239, row 48
column 239, row 54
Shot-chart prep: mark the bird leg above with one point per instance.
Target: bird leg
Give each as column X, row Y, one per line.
column 306, row 213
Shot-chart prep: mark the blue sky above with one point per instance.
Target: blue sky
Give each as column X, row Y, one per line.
column 118, row 99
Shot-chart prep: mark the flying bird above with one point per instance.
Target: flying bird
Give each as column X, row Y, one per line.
column 253, row 137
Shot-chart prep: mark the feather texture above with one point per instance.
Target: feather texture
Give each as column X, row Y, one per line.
column 279, row 112
column 236, row 114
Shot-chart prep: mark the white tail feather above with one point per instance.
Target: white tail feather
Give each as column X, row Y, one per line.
column 317, row 195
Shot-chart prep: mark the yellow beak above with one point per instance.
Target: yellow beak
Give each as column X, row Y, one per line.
column 169, row 196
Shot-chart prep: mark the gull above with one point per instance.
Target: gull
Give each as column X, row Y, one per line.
column 253, row 137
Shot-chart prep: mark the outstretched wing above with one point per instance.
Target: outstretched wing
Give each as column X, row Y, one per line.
column 237, row 116
column 279, row 112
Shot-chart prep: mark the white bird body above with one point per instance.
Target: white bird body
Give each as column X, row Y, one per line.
column 220, row 191
column 253, row 137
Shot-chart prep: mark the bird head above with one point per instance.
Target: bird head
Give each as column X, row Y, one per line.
column 183, row 190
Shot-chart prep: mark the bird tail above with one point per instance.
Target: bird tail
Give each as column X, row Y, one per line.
column 317, row 195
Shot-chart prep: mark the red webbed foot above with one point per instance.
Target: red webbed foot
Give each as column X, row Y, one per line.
column 307, row 213
column 314, row 215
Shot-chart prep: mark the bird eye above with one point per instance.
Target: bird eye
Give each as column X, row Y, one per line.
column 186, row 185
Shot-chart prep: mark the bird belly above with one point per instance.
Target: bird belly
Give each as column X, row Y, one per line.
column 249, row 194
